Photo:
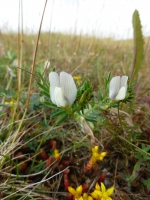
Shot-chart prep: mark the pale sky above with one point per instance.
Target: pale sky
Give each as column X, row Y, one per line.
column 94, row 17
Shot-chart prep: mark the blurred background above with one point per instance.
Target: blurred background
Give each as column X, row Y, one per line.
column 100, row 18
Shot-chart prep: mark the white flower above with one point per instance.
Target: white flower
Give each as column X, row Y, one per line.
column 63, row 90
column 118, row 88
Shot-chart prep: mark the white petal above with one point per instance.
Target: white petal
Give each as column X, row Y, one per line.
column 121, row 94
column 59, row 98
column 54, row 82
column 68, row 87
column 114, row 87
column 124, row 80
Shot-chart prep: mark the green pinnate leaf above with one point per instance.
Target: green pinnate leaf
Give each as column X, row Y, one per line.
column 61, row 119
column 43, row 87
column 49, row 104
column 58, row 113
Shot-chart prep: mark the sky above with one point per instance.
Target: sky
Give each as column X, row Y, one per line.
column 101, row 18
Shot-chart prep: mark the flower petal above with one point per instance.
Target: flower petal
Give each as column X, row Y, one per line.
column 68, row 87
column 72, row 190
column 89, row 198
column 97, row 187
column 79, row 190
column 103, row 189
column 121, row 94
column 124, row 80
column 95, row 149
column 114, row 87
column 96, row 192
column 110, row 191
column 102, row 155
column 54, row 82
column 60, row 98
column 109, row 198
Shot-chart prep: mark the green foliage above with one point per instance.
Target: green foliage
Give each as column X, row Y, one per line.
column 33, row 144
column 141, row 165
column 8, row 58
column 58, row 113
column 130, row 93
column 34, row 102
column 43, row 81
column 92, row 116
column 61, row 119
column 102, row 94
column 50, row 104
column 147, row 183
column 143, row 154
column 37, row 168
column 131, row 178
column 106, row 84
column 135, row 173
column 44, row 86
column 84, row 92
column 7, row 94
column 138, row 44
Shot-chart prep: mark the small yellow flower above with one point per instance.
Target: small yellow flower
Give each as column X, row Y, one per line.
column 76, row 193
column 56, row 154
column 94, row 158
column 103, row 194
column 11, row 104
column 78, row 79
column 96, row 155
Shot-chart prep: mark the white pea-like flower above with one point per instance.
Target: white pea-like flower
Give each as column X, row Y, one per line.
column 118, row 87
column 63, row 90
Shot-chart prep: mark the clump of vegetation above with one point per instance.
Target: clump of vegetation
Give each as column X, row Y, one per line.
column 83, row 132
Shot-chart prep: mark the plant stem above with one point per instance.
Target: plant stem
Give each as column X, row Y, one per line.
column 120, row 122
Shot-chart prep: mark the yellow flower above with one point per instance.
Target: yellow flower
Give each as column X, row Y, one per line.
column 76, row 193
column 103, row 194
column 85, row 197
column 78, row 79
column 56, row 154
column 94, row 158
column 96, row 155
column 11, row 104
